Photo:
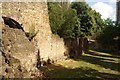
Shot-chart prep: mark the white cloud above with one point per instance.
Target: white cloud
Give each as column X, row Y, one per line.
column 106, row 10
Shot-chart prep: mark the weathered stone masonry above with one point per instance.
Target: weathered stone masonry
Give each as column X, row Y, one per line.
column 34, row 15
column 76, row 46
column 44, row 48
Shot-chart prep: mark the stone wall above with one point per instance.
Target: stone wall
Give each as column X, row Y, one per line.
column 33, row 16
column 45, row 47
column 19, row 59
column 76, row 46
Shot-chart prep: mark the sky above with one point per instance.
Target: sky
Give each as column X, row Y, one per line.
column 107, row 8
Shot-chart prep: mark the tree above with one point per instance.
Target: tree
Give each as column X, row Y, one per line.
column 109, row 23
column 90, row 20
column 110, row 35
column 62, row 18
column 55, row 16
column 79, row 20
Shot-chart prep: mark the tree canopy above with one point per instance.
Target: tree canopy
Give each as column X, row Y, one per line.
column 110, row 36
column 76, row 19
column 62, row 18
column 90, row 20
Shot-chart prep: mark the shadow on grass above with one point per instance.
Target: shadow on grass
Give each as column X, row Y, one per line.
column 112, row 55
column 58, row 71
column 106, row 63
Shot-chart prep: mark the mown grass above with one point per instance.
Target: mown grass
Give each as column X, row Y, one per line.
column 92, row 65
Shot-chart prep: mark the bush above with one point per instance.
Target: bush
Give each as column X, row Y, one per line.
column 110, row 36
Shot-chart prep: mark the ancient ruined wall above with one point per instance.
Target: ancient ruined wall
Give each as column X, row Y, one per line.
column 28, row 14
column 19, row 59
column 76, row 46
column 34, row 16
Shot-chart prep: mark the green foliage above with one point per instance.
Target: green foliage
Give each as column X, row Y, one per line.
column 55, row 16
column 109, row 23
column 90, row 20
column 62, row 18
column 77, row 29
column 110, row 35
column 107, row 36
column 32, row 29
column 78, row 21
column 69, row 18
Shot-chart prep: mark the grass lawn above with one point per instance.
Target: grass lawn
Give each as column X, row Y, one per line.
column 92, row 65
